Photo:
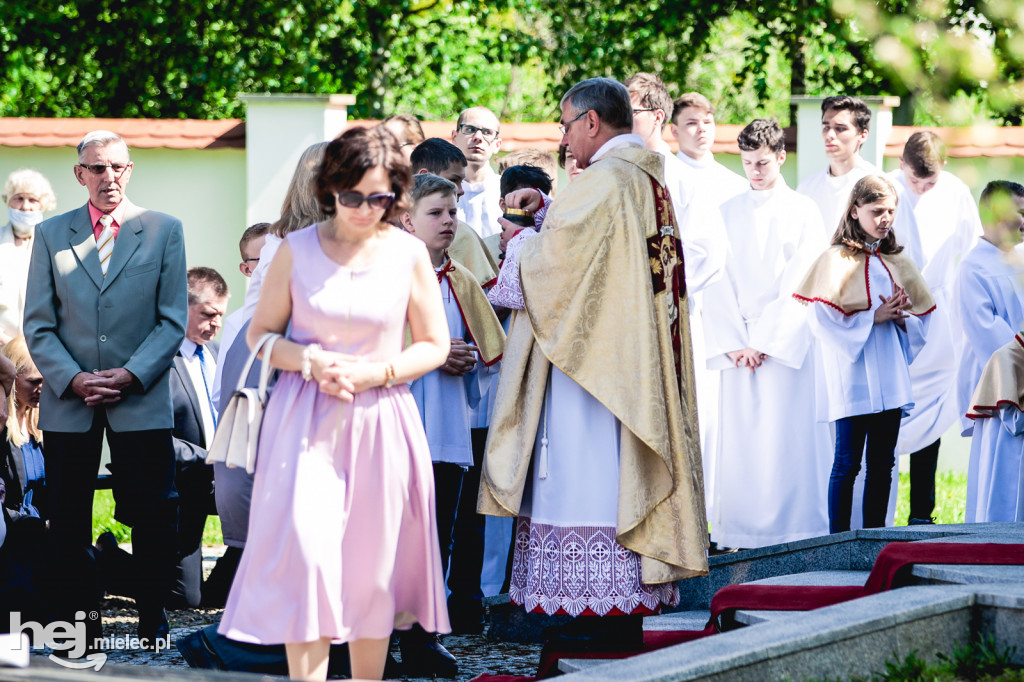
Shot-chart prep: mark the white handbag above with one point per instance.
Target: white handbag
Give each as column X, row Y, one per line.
column 238, row 431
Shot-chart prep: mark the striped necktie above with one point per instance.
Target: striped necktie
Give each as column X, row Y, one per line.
column 105, row 243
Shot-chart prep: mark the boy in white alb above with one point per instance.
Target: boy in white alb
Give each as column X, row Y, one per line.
column 845, row 123
column 772, row 472
column 988, row 290
column 949, row 226
column 446, row 395
column 701, row 233
column 477, row 134
column 995, row 476
column 693, row 126
column 708, row 184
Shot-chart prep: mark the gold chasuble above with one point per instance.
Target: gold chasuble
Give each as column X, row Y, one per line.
column 606, row 304
column 469, row 250
column 839, row 278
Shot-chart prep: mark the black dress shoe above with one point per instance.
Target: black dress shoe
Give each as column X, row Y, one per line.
column 153, row 626
column 197, row 652
column 423, row 655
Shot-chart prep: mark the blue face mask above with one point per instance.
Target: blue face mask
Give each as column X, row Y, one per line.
column 24, row 221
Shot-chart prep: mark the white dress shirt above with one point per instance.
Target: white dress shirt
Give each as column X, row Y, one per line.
column 201, row 374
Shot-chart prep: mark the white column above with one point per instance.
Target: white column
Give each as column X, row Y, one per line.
column 278, row 128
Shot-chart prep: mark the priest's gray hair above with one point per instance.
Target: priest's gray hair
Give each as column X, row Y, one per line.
column 99, row 138
column 605, row 96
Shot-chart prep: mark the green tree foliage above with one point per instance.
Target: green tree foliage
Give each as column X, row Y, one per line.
column 951, row 60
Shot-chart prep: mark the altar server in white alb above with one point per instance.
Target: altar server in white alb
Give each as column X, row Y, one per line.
column 446, row 395
column 995, row 478
column 988, row 289
column 693, row 126
column 870, row 309
column 948, row 226
column 772, row 477
column 700, row 231
column 845, row 125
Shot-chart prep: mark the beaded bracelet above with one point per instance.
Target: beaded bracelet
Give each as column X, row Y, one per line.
column 307, row 360
column 389, row 376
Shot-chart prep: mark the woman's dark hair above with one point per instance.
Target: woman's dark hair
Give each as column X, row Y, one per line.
column 351, row 154
column 868, row 190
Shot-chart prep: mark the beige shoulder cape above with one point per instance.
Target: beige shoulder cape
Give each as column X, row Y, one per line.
column 605, row 303
column 839, row 278
column 469, row 250
column 1002, row 381
column 477, row 314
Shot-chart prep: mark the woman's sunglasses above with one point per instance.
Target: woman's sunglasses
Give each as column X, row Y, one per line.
column 350, row 199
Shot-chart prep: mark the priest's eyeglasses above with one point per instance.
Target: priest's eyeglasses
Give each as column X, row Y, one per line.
column 350, row 199
column 101, row 168
column 565, row 126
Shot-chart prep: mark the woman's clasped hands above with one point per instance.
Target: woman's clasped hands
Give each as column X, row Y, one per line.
column 343, row 375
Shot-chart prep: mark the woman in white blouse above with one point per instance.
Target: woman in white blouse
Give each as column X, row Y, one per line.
column 28, row 195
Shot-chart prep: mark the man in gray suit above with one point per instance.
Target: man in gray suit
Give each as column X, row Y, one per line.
column 105, row 313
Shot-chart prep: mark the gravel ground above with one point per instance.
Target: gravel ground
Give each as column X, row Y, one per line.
column 476, row 654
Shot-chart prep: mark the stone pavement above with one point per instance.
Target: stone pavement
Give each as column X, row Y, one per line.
column 476, row 653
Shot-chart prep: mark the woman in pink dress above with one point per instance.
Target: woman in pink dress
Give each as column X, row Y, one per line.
column 342, row 544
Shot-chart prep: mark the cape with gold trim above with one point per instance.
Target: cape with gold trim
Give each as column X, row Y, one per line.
column 477, row 314
column 470, row 251
column 1002, row 381
column 839, row 278
column 605, row 303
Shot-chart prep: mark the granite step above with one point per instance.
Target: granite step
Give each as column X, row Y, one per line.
column 816, row 578
column 680, row 620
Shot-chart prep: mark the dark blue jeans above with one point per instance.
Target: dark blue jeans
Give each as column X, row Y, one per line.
column 880, row 430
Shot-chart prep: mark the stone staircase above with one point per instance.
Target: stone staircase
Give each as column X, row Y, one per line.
column 949, row 604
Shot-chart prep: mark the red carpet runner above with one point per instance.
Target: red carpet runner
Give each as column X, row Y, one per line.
column 891, row 570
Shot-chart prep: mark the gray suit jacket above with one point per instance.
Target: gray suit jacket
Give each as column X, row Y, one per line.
column 77, row 320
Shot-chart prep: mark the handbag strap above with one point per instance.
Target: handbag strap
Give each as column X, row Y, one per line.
column 265, row 367
column 265, row 370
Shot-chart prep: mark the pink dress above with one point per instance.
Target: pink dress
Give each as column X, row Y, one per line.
column 342, row 538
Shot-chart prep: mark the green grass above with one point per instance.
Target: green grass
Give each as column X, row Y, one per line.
column 950, row 494
column 950, row 498
column 103, row 520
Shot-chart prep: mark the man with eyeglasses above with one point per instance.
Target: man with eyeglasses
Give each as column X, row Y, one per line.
column 105, row 313
column 477, row 135
column 702, row 234
column 593, row 442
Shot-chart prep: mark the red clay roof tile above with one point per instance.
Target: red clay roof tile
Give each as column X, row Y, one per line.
column 139, row 133
column 230, row 133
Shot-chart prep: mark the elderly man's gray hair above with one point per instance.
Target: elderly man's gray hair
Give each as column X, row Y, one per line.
column 100, row 138
column 607, row 97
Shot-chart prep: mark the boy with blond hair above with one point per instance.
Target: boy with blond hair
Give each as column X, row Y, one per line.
column 446, row 396
column 949, row 226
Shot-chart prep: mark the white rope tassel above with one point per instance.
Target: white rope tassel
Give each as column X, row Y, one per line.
column 542, row 465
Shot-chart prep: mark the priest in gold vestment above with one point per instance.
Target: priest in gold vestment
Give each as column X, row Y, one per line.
column 594, row 443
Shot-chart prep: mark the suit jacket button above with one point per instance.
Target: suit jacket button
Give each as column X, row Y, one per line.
column 103, row 338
